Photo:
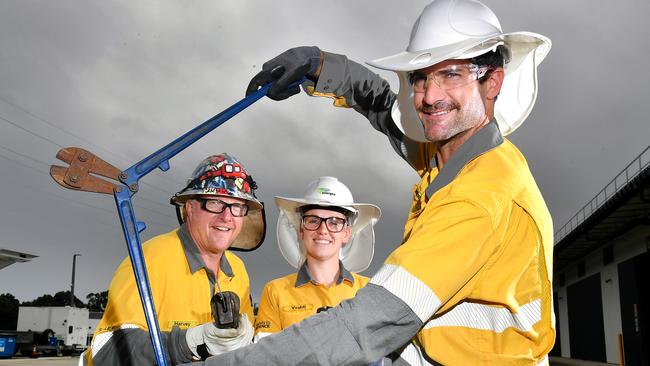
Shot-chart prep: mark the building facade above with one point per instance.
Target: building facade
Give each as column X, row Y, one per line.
column 602, row 270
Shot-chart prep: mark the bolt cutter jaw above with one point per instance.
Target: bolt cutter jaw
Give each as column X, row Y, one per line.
column 79, row 175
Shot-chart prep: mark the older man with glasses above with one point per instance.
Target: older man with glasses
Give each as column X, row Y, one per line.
column 200, row 288
column 470, row 283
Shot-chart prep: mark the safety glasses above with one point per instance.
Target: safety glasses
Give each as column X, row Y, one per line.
column 333, row 224
column 218, row 206
column 449, row 77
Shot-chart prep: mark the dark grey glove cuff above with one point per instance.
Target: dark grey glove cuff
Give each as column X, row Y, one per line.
column 313, row 55
column 179, row 351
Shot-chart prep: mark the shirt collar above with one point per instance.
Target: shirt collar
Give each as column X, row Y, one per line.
column 193, row 256
column 484, row 140
column 305, row 277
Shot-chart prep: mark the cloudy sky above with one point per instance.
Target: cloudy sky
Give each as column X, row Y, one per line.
column 124, row 78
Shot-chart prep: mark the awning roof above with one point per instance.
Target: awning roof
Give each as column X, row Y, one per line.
column 9, row 257
column 623, row 204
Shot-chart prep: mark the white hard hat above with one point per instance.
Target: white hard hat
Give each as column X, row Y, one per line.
column 463, row 29
column 357, row 254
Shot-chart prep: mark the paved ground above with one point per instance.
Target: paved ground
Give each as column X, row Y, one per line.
column 558, row 361
column 42, row 361
column 73, row 361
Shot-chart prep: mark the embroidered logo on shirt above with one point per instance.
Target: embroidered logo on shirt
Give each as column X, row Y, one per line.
column 108, row 328
column 265, row 324
column 299, row 307
column 183, row 324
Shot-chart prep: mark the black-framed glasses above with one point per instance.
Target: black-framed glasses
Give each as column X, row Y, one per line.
column 218, row 206
column 333, row 224
column 449, row 77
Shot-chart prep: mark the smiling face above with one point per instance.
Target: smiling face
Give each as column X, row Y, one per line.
column 322, row 244
column 446, row 113
column 213, row 232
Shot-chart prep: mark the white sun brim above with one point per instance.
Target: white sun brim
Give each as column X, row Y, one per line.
column 518, row 93
column 356, row 255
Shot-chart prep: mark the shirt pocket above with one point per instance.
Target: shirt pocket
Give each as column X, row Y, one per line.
column 291, row 314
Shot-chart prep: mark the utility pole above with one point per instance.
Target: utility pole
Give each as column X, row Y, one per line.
column 74, row 263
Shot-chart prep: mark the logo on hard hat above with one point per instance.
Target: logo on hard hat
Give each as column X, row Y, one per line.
column 327, row 191
column 219, row 167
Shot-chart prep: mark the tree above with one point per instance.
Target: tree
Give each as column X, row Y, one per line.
column 97, row 301
column 61, row 298
column 8, row 311
column 43, row 300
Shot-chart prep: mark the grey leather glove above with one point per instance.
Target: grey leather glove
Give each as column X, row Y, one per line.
column 217, row 340
column 286, row 68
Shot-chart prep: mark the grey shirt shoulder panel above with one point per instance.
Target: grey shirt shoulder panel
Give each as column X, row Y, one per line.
column 193, row 256
column 358, row 331
column 484, row 140
column 344, row 274
column 195, row 261
column 303, row 277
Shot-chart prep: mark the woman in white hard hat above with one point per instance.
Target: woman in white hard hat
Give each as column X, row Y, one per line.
column 328, row 238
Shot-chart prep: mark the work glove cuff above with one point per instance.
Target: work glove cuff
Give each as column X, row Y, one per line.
column 193, row 339
column 313, row 56
column 217, row 340
column 179, row 350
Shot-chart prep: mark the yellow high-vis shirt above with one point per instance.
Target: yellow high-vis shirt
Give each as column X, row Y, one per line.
column 290, row 299
column 181, row 288
column 475, row 262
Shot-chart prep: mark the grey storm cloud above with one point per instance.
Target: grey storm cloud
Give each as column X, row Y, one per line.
column 124, row 78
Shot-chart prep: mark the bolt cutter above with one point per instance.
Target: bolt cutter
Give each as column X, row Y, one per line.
column 82, row 174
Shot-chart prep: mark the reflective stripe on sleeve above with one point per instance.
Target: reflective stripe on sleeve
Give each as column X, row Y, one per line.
column 544, row 361
column 260, row 335
column 484, row 317
column 101, row 339
column 413, row 355
column 82, row 358
column 415, row 293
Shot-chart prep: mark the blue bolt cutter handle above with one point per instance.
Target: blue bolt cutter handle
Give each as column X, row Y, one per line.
column 131, row 228
column 77, row 177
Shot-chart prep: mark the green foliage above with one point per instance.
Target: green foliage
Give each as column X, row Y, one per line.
column 61, row 298
column 97, row 301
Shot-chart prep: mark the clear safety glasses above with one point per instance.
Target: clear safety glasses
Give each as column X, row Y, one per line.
column 449, row 77
column 333, row 224
column 218, row 206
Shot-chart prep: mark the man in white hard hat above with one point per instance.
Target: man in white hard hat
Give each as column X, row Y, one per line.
column 188, row 267
column 470, row 283
column 326, row 236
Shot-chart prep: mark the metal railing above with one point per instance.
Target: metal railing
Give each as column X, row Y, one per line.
column 626, row 175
